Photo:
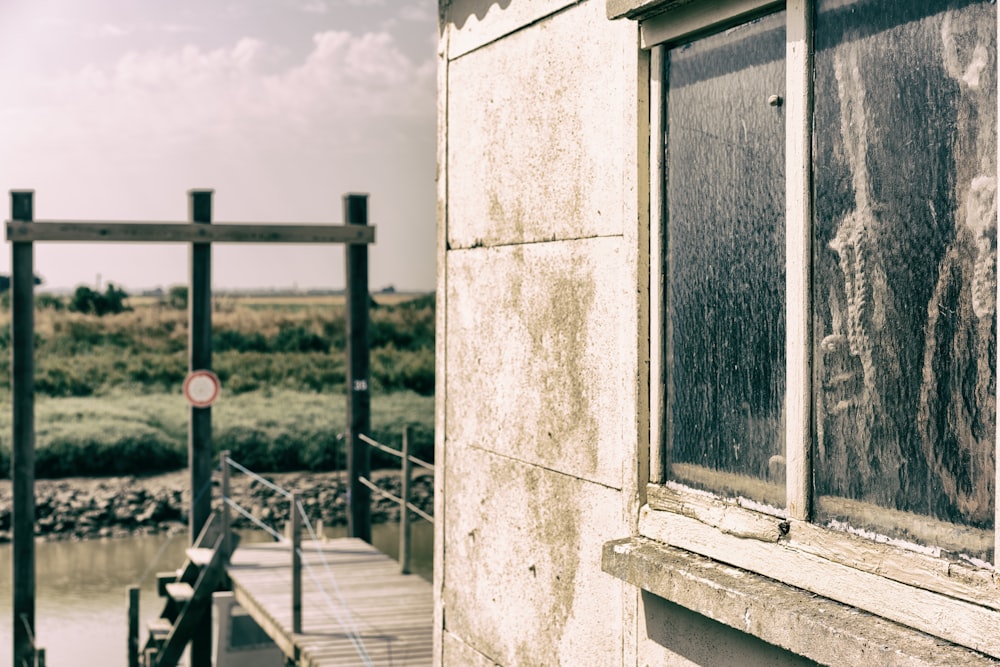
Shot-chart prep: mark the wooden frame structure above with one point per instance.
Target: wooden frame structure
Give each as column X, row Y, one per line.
column 909, row 586
column 23, row 231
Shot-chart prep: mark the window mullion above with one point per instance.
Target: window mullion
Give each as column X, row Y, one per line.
column 658, row 384
column 798, row 267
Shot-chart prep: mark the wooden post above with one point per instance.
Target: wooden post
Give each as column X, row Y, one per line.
column 227, row 522
column 296, row 532
column 358, row 397
column 133, row 626
column 22, row 459
column 404, row 508
column 200, row 424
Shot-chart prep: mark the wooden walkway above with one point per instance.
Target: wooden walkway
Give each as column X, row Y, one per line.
column 392, row 613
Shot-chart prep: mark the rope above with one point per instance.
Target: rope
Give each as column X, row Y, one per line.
column 27, row 627
column 359, row 644
column 163, row 547
column 156, row 558
column 254, row 520
column 351, row 632
column 266, row 482
column 350, row 629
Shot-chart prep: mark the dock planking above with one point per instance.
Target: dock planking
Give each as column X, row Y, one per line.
column 358, row 588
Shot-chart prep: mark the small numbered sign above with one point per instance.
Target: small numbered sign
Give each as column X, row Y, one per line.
column 201, row 388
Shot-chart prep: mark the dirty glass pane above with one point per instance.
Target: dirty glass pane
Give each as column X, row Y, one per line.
column 905, row 269
column 725, row 192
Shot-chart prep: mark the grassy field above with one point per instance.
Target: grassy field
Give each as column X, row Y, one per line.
column 109, row 388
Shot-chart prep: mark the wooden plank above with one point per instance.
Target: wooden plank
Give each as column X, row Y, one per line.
column 180, row 232
column 954, row 620
column 820, row 629
column 200, row 556
column 392, row 612
column 180, row 592
column 908, row 567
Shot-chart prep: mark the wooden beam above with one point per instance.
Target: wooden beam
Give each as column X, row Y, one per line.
column 179, row 232
column 22, row 459
column 358, row 395
column 200, row 425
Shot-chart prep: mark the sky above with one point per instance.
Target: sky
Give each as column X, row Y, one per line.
column 114, row 109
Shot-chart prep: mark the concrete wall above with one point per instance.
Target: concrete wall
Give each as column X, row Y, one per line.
column 542, row 343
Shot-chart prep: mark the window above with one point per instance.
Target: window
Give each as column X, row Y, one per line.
column 825, row 299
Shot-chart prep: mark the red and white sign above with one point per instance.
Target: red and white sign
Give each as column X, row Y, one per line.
column 201, row 388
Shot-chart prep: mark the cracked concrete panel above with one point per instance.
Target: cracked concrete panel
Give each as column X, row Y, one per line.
column 536, row 152
column 524, row 583
column 541, row 355
column 474, row 23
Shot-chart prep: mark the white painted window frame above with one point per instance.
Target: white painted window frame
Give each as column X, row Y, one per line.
column 957, row 602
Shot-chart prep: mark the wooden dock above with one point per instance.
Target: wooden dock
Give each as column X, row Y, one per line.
column 390, row 614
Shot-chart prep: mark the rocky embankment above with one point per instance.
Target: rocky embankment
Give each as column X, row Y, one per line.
column 85, row 508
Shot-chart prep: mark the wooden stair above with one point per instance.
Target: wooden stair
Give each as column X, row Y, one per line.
column 188, row 597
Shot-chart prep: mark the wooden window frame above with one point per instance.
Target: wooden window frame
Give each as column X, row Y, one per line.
column 956, row 601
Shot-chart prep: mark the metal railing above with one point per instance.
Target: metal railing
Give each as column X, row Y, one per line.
column 407, row 461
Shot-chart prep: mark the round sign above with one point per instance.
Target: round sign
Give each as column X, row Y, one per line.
column 201, row 388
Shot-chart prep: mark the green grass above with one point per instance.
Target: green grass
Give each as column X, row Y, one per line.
column 255, row 346
column 109, row 388
column 268, row 431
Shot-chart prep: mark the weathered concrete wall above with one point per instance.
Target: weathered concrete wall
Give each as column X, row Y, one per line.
column 542, row 260
column 538, row 277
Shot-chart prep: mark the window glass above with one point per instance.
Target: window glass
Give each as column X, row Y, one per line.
column 725, row 257
column 905, row 269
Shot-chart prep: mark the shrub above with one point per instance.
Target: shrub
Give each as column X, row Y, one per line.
column 86, row 300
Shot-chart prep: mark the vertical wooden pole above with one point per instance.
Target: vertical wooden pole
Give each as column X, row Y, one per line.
column 227, row 546
column 22, row 459
column 404, row 509
column 296, row 532
column 358, row 396
column 200, row 422
column 133, row 626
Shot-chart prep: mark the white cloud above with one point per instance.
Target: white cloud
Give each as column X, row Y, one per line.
column 314, row 7
column 124, row 139
column 112, row 30
column 162, row 98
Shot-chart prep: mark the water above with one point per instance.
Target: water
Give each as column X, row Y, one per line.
column 81, row 612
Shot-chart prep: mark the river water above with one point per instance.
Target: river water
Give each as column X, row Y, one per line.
column 81, row 612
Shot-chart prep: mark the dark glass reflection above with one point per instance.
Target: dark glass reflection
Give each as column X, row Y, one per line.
column 725, row 260
column 905, row 264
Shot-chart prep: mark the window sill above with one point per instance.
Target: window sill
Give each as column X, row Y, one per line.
column 804, row 623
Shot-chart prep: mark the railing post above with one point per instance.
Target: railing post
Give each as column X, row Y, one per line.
column 404, row 505
column 226, row 516
column 296, row 539
column 22, row 459
column 358, row 397
column 133, row 626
